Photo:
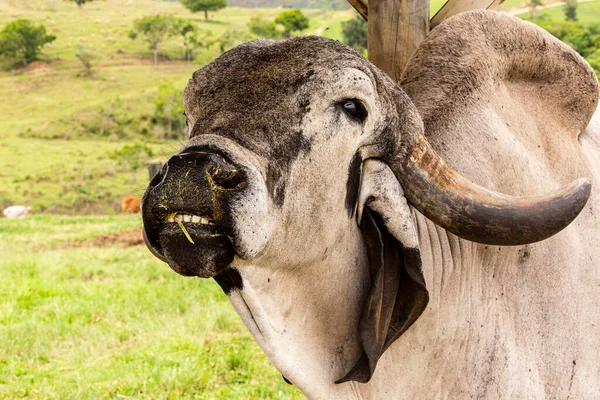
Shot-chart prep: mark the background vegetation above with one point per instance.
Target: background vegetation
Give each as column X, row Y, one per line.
column 65, row 117
column 88, row 318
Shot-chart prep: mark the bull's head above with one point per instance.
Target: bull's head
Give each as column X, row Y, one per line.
column 301, row 146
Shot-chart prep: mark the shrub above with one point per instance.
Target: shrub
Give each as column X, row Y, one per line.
column 23, row 40
column 86, row 56
column 355, row 33
column 292, row 21
column 230, row 38
column 594, row 60
column 132, row 157
column 168, row 111
column 263, row 28
column 81, row 2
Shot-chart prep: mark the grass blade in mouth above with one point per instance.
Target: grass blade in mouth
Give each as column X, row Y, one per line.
column 185, row 232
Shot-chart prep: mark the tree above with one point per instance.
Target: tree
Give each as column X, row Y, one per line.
column 355, row 32
column 230, row 38
column 81, row 2
column 24, row 40
column 533, row 7
column 155, row 28
column 292, row 21
column 193, row 38
column 168, row 110
column 263, row 28
column 86, row 56
column 204, row 5
column 571, row 10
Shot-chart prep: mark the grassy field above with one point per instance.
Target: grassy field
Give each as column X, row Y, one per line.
column 46, row 159
column 87, row 320
column 587, row 13
column 51, row 103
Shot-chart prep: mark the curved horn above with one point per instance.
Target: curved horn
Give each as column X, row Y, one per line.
column 481, row 215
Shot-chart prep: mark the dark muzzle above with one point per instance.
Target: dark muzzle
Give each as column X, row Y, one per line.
column 186, row 212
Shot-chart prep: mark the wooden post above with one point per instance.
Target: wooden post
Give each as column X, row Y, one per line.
column 453, row 7
column 154, row 168
column 361, row 6
column 396, row 28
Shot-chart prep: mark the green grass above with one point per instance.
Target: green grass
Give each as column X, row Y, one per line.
column 89, row 323
column 69, row 176
column 103, row 26
column 47, row 158
column 587, row 13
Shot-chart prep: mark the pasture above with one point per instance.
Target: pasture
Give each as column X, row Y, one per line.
column 588, row 12
column 51, row 102
column 85, row 315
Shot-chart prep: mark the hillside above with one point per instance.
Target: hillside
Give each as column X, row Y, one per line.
column 60, row 126
column 50, row 158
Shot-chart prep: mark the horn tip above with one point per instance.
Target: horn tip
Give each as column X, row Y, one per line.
column 581, row 189
column 585, row 184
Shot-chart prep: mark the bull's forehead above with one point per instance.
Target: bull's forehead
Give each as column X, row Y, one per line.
column 258, row 95
column 266, row 78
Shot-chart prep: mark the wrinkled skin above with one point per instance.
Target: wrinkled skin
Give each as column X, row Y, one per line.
column 503, row 322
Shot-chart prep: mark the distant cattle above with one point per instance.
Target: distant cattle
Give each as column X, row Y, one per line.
column 130, row 204
column 16, row 212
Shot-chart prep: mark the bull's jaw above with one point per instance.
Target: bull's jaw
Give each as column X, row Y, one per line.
column 305, row 321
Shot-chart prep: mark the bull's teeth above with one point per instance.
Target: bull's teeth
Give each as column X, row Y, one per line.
column 188, row 218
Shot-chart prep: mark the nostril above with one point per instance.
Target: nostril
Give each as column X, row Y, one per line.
column 224, row 176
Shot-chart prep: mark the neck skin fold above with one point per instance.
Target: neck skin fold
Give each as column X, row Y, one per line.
column 306, row 318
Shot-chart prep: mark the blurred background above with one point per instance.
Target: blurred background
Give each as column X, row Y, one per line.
column 91, row 106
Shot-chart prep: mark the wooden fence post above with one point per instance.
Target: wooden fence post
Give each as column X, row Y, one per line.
column 453, row 7
column 396, row 28
column 154, row 168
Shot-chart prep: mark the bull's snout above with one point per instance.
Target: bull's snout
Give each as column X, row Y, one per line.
column 193, row 174
column 186, row 212
column 216, row 168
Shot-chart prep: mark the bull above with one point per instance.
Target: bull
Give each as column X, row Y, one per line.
column 325, row 200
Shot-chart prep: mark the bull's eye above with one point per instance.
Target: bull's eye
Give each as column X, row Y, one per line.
column 355, row 109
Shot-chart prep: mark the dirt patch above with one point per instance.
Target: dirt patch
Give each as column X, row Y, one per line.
column 131, row 237
column 37, row 68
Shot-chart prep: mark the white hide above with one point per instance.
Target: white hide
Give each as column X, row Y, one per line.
column 519, row 322
column 516, row 322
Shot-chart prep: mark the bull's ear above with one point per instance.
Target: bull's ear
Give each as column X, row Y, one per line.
column 397, row 295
